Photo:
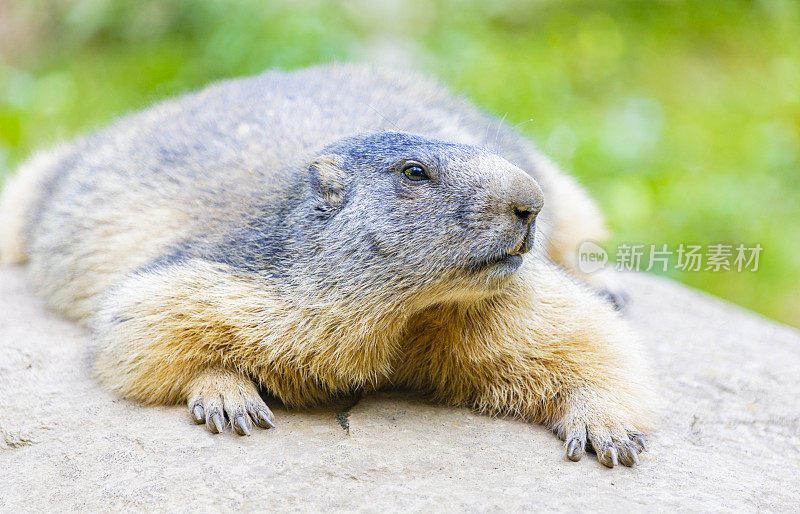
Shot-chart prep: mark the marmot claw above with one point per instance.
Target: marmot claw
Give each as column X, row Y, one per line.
column 217, row 394
column 610, row 449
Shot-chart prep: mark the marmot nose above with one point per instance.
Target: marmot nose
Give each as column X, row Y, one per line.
column 519, row 197
column 526, row 212
column 526, row 203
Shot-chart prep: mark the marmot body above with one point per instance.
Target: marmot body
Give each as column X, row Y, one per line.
column 325, row 231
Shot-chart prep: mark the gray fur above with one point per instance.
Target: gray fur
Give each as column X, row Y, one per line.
column 223, row 174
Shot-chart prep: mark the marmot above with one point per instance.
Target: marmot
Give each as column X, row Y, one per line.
column 326, row 231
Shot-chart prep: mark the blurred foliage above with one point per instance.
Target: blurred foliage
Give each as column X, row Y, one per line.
column 681, row 117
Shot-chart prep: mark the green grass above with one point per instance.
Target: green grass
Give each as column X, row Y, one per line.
column 682, row 118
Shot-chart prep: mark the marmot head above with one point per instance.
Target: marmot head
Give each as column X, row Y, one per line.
column 416, row 212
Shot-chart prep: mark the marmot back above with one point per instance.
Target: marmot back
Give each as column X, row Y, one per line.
column 113, row 200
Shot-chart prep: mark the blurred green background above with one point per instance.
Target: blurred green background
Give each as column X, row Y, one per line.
column 682, row 118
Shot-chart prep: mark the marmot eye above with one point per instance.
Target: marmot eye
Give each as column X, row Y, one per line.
column 415, row 172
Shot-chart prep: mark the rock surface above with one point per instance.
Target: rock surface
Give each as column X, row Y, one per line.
column 729, row 437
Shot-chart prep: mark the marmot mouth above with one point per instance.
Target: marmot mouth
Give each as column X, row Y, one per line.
column 503, row 265
column 517, row 249
column 510, row 259
column 523, row 246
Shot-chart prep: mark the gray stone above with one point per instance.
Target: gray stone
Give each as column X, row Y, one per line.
column 729, row 436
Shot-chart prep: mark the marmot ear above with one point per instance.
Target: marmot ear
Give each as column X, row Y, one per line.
column 329, row 179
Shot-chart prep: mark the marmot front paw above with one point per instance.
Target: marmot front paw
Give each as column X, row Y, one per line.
column 215, row 394
column 618, row 298
column 612, row 446
column 588, row 428
column 607, row 285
